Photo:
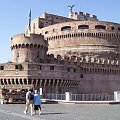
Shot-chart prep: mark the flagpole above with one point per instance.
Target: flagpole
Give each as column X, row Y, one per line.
column 29, row 27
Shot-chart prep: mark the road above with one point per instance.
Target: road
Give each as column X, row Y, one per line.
column 62, row 112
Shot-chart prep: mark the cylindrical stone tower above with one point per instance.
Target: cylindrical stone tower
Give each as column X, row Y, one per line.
column 94, row 38
column 32, row 48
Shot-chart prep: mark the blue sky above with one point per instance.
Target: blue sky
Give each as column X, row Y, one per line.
column 14, row 15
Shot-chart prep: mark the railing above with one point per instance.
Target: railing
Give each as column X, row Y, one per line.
column 81, row 97
column 92, row 97
column 55, row 96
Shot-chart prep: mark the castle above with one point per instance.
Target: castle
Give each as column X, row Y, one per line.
column 79, row 54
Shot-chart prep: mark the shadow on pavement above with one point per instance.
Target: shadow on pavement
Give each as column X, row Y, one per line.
column 51, row 113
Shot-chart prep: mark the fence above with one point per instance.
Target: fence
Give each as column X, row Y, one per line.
column 82, row 97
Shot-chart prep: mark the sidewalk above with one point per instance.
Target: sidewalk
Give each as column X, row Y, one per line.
column 79, row 102
column 62, row 112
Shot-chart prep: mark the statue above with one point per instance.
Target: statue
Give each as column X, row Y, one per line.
column 70, row 8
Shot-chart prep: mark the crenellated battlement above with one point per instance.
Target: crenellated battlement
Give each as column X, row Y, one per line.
column 74, row 60
column 83, row 16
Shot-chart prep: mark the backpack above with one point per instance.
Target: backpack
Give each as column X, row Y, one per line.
column 30, row 96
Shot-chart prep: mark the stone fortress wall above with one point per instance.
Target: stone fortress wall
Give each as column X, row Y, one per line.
column 79, row 75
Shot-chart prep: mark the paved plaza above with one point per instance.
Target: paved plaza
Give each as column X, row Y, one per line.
column 62, row 112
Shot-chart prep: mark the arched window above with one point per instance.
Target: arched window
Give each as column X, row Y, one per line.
column 13, row 82
column 25, row 81
column 2, row 83
column 66, row 28
column 9, row 81
column 21, row 82
column 83, row 27
column 102, row 27
column 5, row 81
column 17, row 82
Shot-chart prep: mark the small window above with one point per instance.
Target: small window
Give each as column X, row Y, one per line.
column 53, row 29
column 39, row 67
column 112, row 28
column 17, row 54
column 19, row 66
column 81, row 76
column 100, row 27
column 119, row 29
column 16, row 66
column 51, row 67
column 1, row 67
column 83, row 27
column 74, row 70
column 68, row 69
column 41, row 24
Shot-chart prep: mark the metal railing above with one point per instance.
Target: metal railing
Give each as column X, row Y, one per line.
column 55, row 96
column 81, row 97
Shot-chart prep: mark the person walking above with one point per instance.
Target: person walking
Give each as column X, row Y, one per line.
column 37, row 102
column 29, row 101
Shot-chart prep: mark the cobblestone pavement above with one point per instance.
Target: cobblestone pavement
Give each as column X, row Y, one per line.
column 62, row 112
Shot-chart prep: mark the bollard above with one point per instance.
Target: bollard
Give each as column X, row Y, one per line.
column 117, row 95
column 67, row 96
column 1, row 101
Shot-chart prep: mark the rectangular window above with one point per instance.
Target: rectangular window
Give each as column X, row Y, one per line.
column 41, row 24
column 39, row 67
column 112, row 28
column 19, row 66
column 16, row 66
column 1, row 67
column 81, row 76
column 68, row 69
column 74, row 70
column 38, row 53
column 51, row 67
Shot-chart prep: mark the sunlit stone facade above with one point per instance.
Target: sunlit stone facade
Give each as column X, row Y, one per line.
column 78, row 54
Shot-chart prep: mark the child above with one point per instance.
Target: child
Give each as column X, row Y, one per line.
column 37, row 102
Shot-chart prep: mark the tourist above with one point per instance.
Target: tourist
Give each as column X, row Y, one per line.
column 37, row 102
column 29, row 101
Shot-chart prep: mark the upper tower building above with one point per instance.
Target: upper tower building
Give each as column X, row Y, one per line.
column 81, row 33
